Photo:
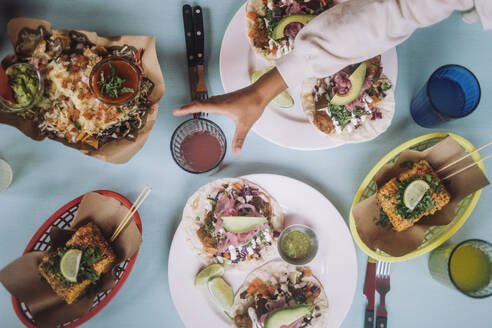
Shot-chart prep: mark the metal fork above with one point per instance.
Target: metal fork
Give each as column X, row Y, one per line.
column 201, row 88
column 382, row 287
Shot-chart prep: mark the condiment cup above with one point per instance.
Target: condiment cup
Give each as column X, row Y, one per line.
column 10, row 107
column 190, row 127
column 93, row 80
column 313, row 248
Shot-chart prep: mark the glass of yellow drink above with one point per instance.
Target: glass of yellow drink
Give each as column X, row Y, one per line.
column 466, row 266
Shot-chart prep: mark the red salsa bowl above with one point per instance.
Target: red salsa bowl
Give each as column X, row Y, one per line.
column 115, row 80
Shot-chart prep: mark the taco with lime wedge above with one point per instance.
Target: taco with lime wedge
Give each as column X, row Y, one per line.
column 233, row 222
column 279, row 294
column 272, row 25
column 355, row 104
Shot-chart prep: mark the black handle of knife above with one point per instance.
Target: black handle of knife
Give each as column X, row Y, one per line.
column 199, row 34
column 369, row 319
column 189, row 34
column 381, row 322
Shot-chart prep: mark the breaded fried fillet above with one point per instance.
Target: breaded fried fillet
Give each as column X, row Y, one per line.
column 91, row 236
column 88, row 237
column 387, row 195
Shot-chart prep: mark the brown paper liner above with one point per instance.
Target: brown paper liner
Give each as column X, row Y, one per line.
column 22, row 279
column 118, row 151
column 400, row 243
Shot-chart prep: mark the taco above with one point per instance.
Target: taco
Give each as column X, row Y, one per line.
column 354, row 105
column 234, row 222
column 282, row 295
column 272, row 25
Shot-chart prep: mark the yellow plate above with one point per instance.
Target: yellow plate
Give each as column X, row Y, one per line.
column 435, row 235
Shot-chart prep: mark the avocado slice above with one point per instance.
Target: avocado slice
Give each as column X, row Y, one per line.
column 242, row 223
column 357, row 80
column 285, row 317
column 278, row 31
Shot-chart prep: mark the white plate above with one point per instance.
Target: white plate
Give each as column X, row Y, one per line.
column 335, row 265
column 238, row 61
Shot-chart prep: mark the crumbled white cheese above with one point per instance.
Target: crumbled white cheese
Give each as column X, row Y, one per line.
column 267, row 235
column 249, row 250
column 232, row 251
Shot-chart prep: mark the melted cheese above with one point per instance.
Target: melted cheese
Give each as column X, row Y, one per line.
column 76, row 113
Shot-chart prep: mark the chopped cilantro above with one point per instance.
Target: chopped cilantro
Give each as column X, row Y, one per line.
column 385, row 86
column 209, row 227
column 340, row 114
column 406, row 164
column 112, row 85
column 383, row 219
column 359, row 112
column 77, row 124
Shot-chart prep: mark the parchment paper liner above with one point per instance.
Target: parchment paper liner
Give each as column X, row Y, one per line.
column 401, row 243
column 22, row 279
column 118, row 151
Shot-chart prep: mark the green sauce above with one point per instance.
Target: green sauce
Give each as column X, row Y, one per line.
column 296, row 244
column 24, row 82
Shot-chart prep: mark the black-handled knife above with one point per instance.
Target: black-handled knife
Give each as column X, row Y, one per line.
column 381, row 322
column 199, row 35
column 190, row 48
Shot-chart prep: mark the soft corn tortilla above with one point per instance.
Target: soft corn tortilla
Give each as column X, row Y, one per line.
column 198, row 206
column 273, row 270
column 254, row 6
column 368, row 130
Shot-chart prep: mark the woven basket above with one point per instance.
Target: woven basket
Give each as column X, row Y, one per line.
column 435, row 235
column 40, row 242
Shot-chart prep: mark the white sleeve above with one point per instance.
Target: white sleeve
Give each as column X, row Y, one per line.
column 357, row 30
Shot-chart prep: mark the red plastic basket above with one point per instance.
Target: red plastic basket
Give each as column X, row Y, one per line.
column 40, row 242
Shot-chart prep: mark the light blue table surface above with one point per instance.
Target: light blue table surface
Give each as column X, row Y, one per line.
column 47, row 174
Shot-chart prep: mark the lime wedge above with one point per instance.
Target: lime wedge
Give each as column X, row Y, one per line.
column 283, row 100
column 69, row 264
column 256, row 75
column 210, row 272
column 414, row 192
column 221, row 292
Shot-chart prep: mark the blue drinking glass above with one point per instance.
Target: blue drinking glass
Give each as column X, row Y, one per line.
column 451, row 92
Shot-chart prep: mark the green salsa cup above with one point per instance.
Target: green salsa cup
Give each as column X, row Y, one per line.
column 297, row 244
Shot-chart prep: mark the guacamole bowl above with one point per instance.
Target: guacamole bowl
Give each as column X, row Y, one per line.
column 27, row 86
